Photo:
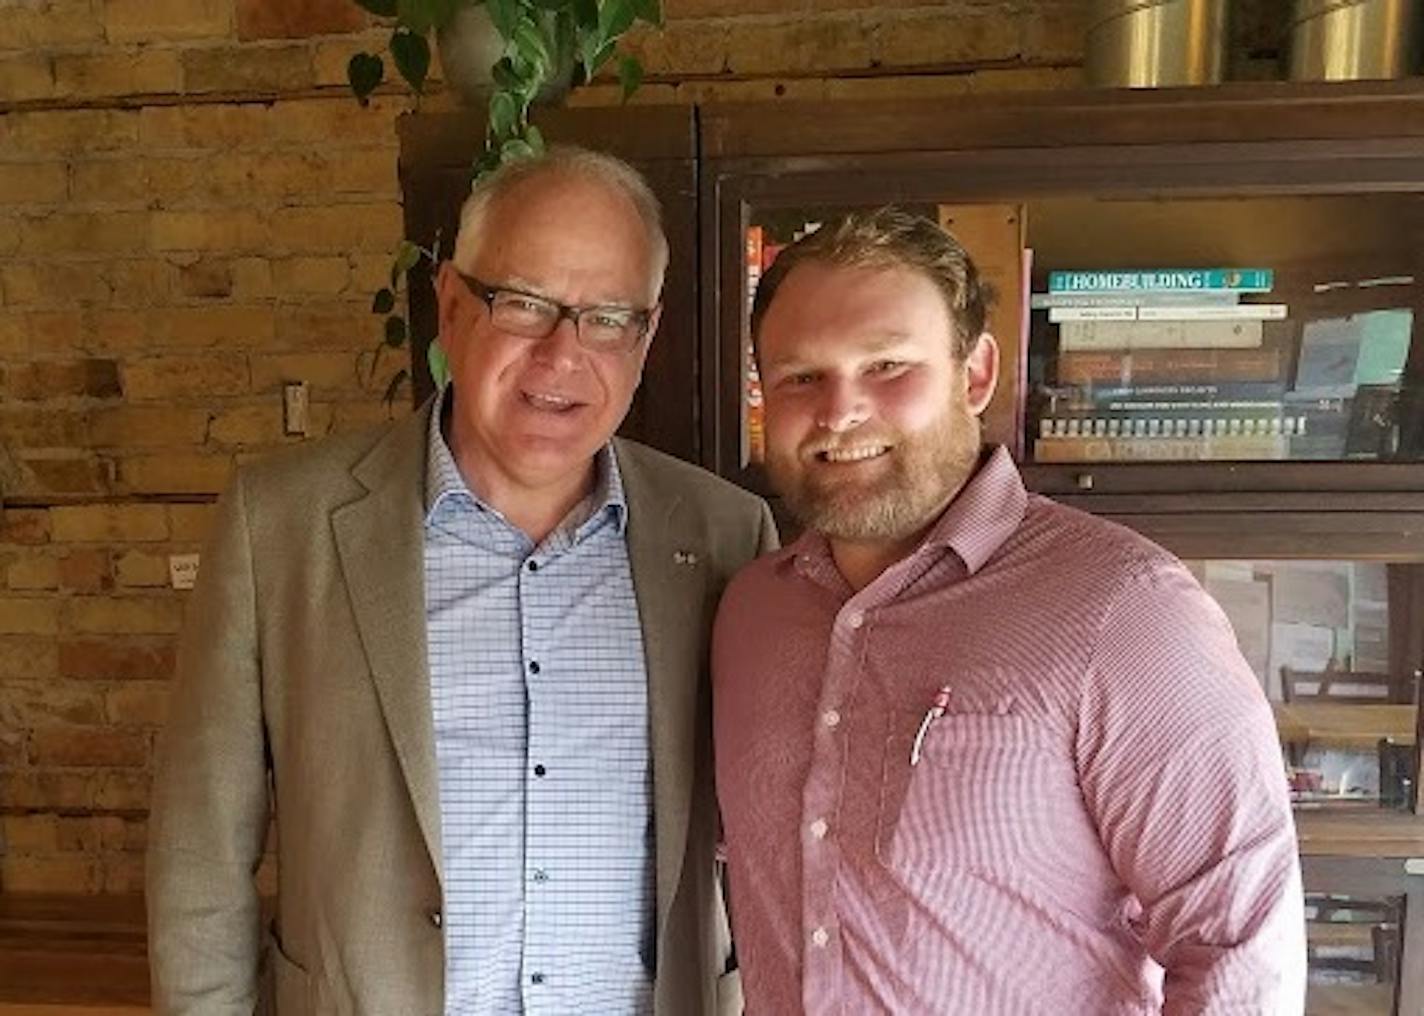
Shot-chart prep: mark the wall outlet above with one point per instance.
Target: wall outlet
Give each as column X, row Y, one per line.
column 183, row 570
column 296, row 405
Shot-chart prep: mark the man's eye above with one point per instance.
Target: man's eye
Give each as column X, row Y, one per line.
column 886, row 367
column 610, row 318
column 798, row 380
column 525, row 304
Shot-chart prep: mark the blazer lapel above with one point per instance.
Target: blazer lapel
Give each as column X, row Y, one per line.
column 380, row 540
column 669, row 579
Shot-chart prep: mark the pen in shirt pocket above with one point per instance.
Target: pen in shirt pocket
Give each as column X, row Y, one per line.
column 935, row 711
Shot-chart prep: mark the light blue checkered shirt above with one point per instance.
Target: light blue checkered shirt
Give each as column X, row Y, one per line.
column 539, row 691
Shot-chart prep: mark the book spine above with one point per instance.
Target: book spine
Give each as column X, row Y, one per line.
column 1161, row 449
column 1216, row 422
column 1190, row 366
column 1170, row 312
column 1205, row 297
column 1241, row 280
column 1077, row 335
column 1078, row 395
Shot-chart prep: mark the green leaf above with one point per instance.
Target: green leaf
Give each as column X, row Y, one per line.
column 504, row 76
column 503, row 113
column 488, row 160
column 650, row 12
column 593, row 61
column 586, row 14
column 505, row 16
column 616, row 16
column 535, row 138
column 515, row 149
column 417, row 15
column 530, row 44
column 552, row 5
column 412, row 56
column 395, row 330
column 438, row 363
column 383, row 302
column 407, row 257
column 630, row 75
column 364, row 71
column 401, row 377
column 380, row 8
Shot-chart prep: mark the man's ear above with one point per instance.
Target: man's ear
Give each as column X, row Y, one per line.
column 981, row 368
column 449, row 291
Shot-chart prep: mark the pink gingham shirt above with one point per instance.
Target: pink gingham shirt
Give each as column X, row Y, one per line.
column 1098, row 824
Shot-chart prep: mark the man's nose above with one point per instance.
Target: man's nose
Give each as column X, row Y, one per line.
column 561, row 346
column 843, row 407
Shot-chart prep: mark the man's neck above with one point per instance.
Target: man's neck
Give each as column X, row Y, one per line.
column 535, row 511
column 862, row 562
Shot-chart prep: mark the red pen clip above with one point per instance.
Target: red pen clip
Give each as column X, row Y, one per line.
column 935, row 711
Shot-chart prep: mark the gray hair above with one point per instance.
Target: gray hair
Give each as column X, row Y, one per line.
column 566, row 161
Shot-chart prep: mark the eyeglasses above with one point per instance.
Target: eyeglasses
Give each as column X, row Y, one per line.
column 600, row 329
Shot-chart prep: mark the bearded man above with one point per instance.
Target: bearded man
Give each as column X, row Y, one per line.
column 977, row 752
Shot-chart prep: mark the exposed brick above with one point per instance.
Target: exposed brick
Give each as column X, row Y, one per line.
column 141, row 72
column 65, row 874
column 696, row 47
column 330, row 326
column 25, row 705
column 32, row 572
column 268, row 69
column 123, row 834
column 800, row 46
column 76, row 834
column 190, row 522
column 115, row 660
column 201, row 327
column 24, row 656
column 42, row 428
column 147, row 426
column 337, row 228
column 65, row 472
column 311, row 276
column 25, row 616
column 248, row 425
column 116, row 179
column 51, row 24
column 167, row 377
column 973, row 35
column 24, row 525
column 127, row 615
column 209, row 278
column 26, row 77
column 212, row 230
column 85, row 232
column 296, row 19
column 86, row 571
column 141, row 568
column 124, row 523
column 121, row 874
column 251, row 278
column 43, row 183
column 54, row 331
column 155, row 20
column 48, row 789
column 141, row 704
column 349, row 416
column 29, row 834
column 47, row 379
column 174, row 473
column 323, row 371
column 338, row 120
column 1055, row 33
column 169, row 182
column 52, row 284
column 74, row 132
column 137, row 282
column 128, row 791
column 88, row 746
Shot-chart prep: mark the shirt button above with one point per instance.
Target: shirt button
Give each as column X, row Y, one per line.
column 831, row 718
column 820, row 937
column 540, row 875
column 856, row 620
column 536, row 978
column 819, row 828
column 533, row 565
column 539, row 770
column 533, row 666
column 436, row 918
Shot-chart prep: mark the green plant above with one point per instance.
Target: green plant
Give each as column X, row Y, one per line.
column 544, row 40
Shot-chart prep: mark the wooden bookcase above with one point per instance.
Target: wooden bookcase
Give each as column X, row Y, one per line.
column 1322, row 182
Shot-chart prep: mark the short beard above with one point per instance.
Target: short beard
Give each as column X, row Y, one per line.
column 925, row 473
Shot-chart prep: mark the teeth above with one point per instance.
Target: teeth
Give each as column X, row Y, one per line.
column 547, row 401
column 853, row 454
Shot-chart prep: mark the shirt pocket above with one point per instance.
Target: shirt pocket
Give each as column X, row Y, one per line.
column 969, row 803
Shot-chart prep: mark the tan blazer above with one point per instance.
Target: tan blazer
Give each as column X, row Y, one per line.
column 303, row 661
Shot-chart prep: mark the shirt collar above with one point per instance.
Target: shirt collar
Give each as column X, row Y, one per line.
column 443, row 479
column 985, row 513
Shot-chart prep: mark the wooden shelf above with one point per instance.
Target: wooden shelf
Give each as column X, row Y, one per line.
column 1360, row 834
column 1343, row 725
column 1349, row 999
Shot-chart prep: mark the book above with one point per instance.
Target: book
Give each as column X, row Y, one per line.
column 1200, row 298
column 1170, row 312
column 1088, row 395
column 1160, row 449
column 1241, row 280
column 1215, row 421
column 1170, row 365
column 1073, row 335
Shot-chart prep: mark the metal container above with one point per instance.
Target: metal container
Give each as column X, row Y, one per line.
column 1156, row 43
column 1341, row 40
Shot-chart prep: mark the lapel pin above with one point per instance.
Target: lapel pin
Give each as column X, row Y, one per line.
column 684, row 557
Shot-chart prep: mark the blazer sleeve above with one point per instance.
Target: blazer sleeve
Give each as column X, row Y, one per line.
column 210, row 795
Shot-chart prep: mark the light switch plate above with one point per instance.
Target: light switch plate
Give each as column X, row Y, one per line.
column 296, row 404
column 183, row 570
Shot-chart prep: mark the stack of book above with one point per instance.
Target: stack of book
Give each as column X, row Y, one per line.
column 1166, row 364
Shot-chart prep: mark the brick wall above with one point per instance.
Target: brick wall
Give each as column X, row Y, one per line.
column 193, row 211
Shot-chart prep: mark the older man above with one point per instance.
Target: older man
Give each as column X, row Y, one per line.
column 977, row 753
column 465, row 653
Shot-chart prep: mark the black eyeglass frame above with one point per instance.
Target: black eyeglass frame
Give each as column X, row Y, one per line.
column 641, row 316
